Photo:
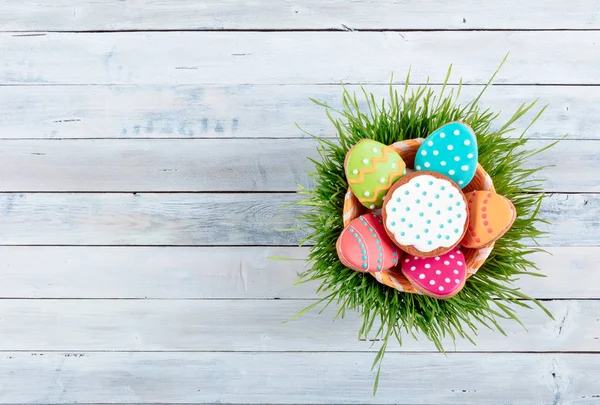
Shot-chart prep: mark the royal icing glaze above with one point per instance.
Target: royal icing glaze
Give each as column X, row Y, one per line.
column 365, row 246
column 441, row 276
column 490, row 216
column 371, row 169
column 450, row 150
column 426, row 212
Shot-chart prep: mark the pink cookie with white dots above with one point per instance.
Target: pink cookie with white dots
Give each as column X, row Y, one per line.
column 440, row 277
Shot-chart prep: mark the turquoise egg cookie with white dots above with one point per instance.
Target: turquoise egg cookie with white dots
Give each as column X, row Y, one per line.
column 450, row 150
column 425, row 214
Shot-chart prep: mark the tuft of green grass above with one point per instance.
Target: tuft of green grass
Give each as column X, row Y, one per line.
column 488, row 295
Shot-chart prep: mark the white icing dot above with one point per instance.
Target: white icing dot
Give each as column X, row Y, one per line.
column 372, row 206
column 438, row 272
column 393, row 165
column 435, row 153
column 447, row 263
column 366, row 161
column 460, row 182
column 458, row 252
column 432, row 282
column 355, row 171
column 455, row 272
column 427, row 265
column 470, row 156
column 443, row 163
column 407, row 260
column 456, row 132
column 450, row 147
column 464, row 168
column 456, row 158
column 418, row 167
column 430, row 143
column 416, row 258
column 459, row 263
column 442, row 135
column 447, row 280
column 437, row 258
column 367, row 194
column 467, row 142
column 374, row 150
column 427, row 164
column 451, row 172
column 451, row 256
column 424, row 152
column 421, row 276
column 413, row 268
column 441, row 288
column 457, row 281
column 382, row 180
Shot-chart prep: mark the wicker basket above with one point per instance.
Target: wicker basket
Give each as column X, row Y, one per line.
column 394, row 277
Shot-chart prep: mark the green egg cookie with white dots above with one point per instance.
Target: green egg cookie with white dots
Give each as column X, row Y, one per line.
column 371, row 169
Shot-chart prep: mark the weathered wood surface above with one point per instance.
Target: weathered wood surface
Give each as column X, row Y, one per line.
column 216, row 219
column 258, row 325
column 73, row 15
column 216, row 165
column 184, row 304
column 252, row 111
column 226, row 273
column 568, row 57
column 287, row 378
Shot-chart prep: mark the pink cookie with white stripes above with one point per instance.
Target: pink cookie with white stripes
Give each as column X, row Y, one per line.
column 365, row 246
column 440, row 277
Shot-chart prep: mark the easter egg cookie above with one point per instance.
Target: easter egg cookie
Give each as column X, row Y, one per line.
column 450, row 150
column 364, row 245
column 490, row 216
column 371, row 169
column 425, row 214
column 440, row 276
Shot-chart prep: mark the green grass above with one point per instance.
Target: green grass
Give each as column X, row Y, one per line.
column 488, row 295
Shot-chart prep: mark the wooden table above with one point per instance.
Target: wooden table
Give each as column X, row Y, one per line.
column 147, row 147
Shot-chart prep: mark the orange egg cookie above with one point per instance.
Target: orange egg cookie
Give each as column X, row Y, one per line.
column 490, row 216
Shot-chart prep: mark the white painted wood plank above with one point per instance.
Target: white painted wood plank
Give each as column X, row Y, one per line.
column 216, row 219
column 221, row 165
column 246, row 111
column 156, row 165
column 226, row 272
column 258, row 325
column 260, row 57
column 292, row 378
column 43, row 15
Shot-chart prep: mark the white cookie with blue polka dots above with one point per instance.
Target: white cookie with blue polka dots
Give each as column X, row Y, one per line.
column 425, row 214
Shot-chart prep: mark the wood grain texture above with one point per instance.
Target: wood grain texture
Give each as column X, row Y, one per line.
column 212, row 165
column 241, row 325
column 216, row 219
column 311, row 378
column 72, row 15
column 156, row 165
column 252, row 111
column 232, row 58
column 226, row 273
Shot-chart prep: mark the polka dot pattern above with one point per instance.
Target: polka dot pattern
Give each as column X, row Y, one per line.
column 450, row 150
column 433, row 277
column 365, row 246
column 426, row 212
column 490, row 216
